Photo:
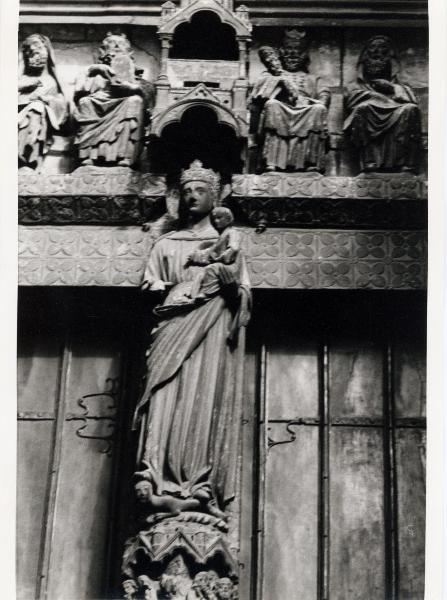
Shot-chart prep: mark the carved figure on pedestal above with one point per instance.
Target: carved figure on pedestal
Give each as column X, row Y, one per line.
column 43, row 105
column 189, row 413
column 112, row 104
column 290, row 109
column 384, row 121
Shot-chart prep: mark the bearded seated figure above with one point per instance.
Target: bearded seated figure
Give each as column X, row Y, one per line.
column 384, row 120
column 111, row 107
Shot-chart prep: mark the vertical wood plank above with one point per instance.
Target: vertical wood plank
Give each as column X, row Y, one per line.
column 79, row 538
column 410, row 459
column 38, row 366
column 356, row 379
column 410, row 378
column 292, row 384
column 33, row 457
column 291, row 516
column 357, row 531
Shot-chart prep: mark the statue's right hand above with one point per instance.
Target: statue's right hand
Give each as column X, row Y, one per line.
column 100, row 69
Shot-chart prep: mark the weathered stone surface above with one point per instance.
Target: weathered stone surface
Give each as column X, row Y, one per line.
column 314, row 185
column 279, row 258
column 92, row 181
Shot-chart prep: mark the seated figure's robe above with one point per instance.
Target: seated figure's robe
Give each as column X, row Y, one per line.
column 295, row 136
column 385, row 128
column 110, row 127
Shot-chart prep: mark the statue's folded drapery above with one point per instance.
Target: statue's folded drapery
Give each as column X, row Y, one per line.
column 386, row 128
column 192, row 395
column 37, row 120
column 110, row 127
column 293, row 135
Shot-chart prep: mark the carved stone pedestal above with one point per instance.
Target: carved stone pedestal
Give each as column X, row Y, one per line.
column 182, row 557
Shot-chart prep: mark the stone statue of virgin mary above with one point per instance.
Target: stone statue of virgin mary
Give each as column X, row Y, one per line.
column 189, row 415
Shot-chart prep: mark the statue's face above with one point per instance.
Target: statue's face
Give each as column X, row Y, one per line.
column 225, row 588
column 111, row 47
column 142, row 490
column 274, row 64
column 198, row 197
column 200, row 581
column 377, row 57
column 221, row 220
column 35, row 53
column 293, row 58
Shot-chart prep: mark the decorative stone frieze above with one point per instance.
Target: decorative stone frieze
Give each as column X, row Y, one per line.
column 314, row 185
column 92, row 181
column 280, row 258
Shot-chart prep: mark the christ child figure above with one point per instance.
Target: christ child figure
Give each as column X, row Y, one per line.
column 225, row 251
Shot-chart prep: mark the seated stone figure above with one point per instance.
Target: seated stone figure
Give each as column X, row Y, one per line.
column 384, row 121
column 292, row 125
column 112, row 104
column 42, row 102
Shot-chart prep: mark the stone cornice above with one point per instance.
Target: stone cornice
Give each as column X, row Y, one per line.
column 367, row 13
column 278, row 259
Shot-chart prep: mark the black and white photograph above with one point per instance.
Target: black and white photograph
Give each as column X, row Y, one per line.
column 221, row 310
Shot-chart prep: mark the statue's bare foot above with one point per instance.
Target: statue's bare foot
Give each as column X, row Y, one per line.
column 124, row 163
column 87, row 162
column 270, row 169
column 312, row 169
column 406, row 169
column 370, row 167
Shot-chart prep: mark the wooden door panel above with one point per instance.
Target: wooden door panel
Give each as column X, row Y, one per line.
column 357, row 514
column 84, row 488
column 356, row 379
column 38, row 364
column 34, row 442
column 409, row 378
column 292, row 380
column 410, row 459
column 290, row 528
column 38, row 374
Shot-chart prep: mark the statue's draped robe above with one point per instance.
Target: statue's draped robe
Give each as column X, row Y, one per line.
column 386, row 129
column 293, row 137
column 189, row 414
column 38, row 120
column 109, row 127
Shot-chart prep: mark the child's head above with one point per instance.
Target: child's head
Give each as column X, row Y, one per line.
column 221, row 218
column 269, row 57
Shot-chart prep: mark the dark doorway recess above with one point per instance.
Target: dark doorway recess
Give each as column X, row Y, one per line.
column 205, row 37
column 197, row 135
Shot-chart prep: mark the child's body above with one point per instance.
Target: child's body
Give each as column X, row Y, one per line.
column 225, row 251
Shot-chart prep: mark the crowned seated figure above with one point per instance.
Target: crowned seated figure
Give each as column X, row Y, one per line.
column 112, row 104
column 384, row 120
column 290, row 109
column 42, row 102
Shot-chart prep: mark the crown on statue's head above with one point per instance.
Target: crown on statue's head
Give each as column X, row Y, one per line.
column 197, row 172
